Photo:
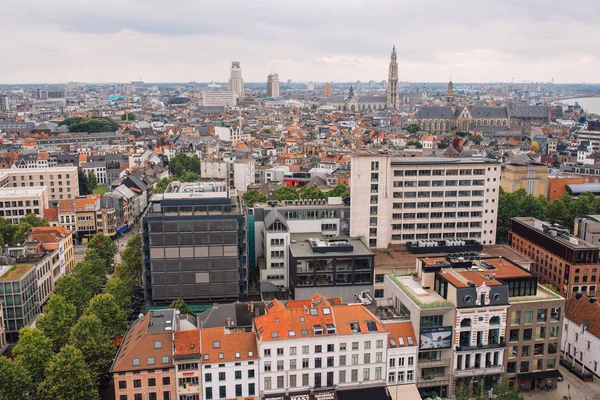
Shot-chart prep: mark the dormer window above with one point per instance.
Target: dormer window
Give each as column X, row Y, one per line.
column 216, row 344
column 237, row 355
column 330, row 329
column 317, row 330
column 371, row 326
column 314, row 311
column 326, row 311
column 354, row 327
column 410, row 340
column 291, row 333
column 302, row 319
column 274, row 334
column 221, row 356
column 401, row 341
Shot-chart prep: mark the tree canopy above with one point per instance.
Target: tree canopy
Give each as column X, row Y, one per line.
column 415, row 143
column 34, row 352
column 181, row 306
column 287, row 193
column 73, row 291
column 181, row 163
column 162, row 185
column 251, row 197
column 90, row 125
column 412, row 128
column 113, row 318
column 56, row 321
column 106, row 249
column 15, row 382
column 68, row 377
column 88, row 335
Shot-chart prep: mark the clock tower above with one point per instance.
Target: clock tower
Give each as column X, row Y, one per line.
column 392, row 88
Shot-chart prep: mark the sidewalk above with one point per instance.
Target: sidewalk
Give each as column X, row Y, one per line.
column 579, row 390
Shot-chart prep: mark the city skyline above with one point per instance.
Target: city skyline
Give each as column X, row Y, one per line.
column 314, row 41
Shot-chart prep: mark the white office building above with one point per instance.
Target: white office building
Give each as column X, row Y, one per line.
column 273, row 85
column 236, row 82
column 398, row 200
column 219, row 98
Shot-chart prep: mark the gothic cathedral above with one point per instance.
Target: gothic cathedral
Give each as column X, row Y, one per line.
column 392, row 88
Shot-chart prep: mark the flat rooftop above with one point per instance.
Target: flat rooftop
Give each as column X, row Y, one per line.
column 565, row 238
column 304, row 248
column 162, row 321
column 24, row 192
column 424, row 298
column 13, row 272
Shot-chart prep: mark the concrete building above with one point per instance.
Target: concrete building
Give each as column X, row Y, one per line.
column 98, row 169
column 557, row 185
column 3, row 343
column 317, row 344
column 533, row 177
column 580, row 342
column 4, row 104
column 236, row 82
column 327, row 92
column 195, row 243
column 55, row 238
column 332, row 267
column 566, row 262
column 273, row 85
column 15, row 203
column 427, row 198
column 219, row 98
column 277, row 225
column 587, row 228
column 61, row 182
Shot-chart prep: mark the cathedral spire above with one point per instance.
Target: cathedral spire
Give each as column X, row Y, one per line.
column 450, row 93
column 392, row 88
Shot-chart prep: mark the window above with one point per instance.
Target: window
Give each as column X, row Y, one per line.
column 152, row 382
column 238, row 374
column 280, row 352
column 304, row 379
column 165, row 360
column 280, row 382
column 342, row 377
column 524, row 366
column 392, row 362
column 166, row 381
column 293, row 381
column 292, row 365
column 392, row 377
column 137, row 396
column 238, row 390
column 122, row 385
column 222, row 392
column 250, row 373
column 158, row 345
column 528, row 317
column 354, row 359
column 279, row 365
column 267, row 382
column 267, row 366
column 527, row 333
column 208, row 377
column 366, row 374
column 305, row 349
column 292, row 351
column 267, row 352
column 411, row 361
column 354, row 375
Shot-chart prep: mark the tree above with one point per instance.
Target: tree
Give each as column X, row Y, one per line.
column 56, row 321
column 7, row 231
column 286, row 193
column 131, row 271
column 188, row 176
column 34, row 220
column 128, row 117
column 21, row 233
column 181, row 306
column 89, row 336
column 106, row 249
column 477, row 139
column 92, row 181
column 251, row 197
column 502, row 391
column 312, row 193
column 535, row 146
column 340, row 190
column 412, row 128
column 113, row 318
column 68, row 377
column 83, row 182
column 33, row 351
column 91, row 274
column 551, row 287
column 181, row 163
column 557, row 212
column 70, row 288
column 90, row 125
column 415, row 143
column 121, row 292
column 162, row 185
column 15, row 383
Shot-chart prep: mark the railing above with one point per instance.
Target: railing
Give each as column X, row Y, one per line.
column 433, row 381
column 434, row 363
column 482, row 346
column 492, row 369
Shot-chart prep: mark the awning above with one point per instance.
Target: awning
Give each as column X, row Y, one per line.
column 372, row 393
column 122, row 229
column 539, row 375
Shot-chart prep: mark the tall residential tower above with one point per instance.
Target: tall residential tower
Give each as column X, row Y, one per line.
column 392, row 88
column 236, row 83
column 273, row 85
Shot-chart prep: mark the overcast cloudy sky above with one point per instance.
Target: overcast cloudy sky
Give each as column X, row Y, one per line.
column 320, row 40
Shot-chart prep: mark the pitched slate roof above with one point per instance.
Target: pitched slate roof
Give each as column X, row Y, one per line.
column 489, row 112
column 435, row 112
column 582, row 312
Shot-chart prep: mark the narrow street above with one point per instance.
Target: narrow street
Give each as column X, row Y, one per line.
column 121, row 242
column 579, row 390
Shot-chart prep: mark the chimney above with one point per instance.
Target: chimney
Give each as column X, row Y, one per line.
column 251, row 306
column 228, row 322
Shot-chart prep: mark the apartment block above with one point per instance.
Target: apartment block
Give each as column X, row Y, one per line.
column 427, row 198
column 566, row 262
column 277, row 225
column 15, row 203
column 55, row 238
column 580, row 344
column 62, row 182
column 319, row 345
column 195, row 243
column 530, row 176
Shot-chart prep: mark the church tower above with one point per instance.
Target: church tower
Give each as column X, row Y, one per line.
column 392, row 88
column 450, row 93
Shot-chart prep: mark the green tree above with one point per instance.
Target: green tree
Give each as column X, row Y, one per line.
column 92, row 181
column 56, row 321
column 7, row 231
column 83, row 182
column 340, row 190
column 121, row 292
column 412, row 128
column 68, row 377
column 181, row 306
column 70, row 288
column 128, row 117
column 188, row 176
column 477, row 139
column 15, row 383
column 96, row 125
column 106, row 249
column 33, row 351
column 557, row 212
column 131, row 268
column 286, row 193
column 182, row 163
column 551, row 287
column 251, row 197
column 162, row 185
column 113, row 318
column 502, row 391
column 312, row 193
column 88, row 335
column 415, row 143
column 34, row 220
column 21, row 233
column 91, row 274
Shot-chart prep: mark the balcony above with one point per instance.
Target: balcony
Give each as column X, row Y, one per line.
column 433, row 381
column 434, row 363
column 492, row 369
column 500, row 345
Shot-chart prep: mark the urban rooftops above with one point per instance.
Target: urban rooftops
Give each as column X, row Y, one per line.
column 556, row 233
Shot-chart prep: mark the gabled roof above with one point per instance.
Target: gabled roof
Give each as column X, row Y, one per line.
column 220, row 346
column 489, row 112
column 582, row 312
column 272, row 216
column 427, row 112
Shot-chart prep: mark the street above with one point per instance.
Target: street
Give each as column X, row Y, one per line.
column 121, row 242
column 580, row 390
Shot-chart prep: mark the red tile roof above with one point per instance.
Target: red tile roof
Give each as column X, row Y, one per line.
column 220, row 346
column 582, row 312
column 404, row 330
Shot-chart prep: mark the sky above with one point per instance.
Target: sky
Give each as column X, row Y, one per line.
column 54, row 41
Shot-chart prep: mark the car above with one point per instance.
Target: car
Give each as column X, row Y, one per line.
column 560, row 378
